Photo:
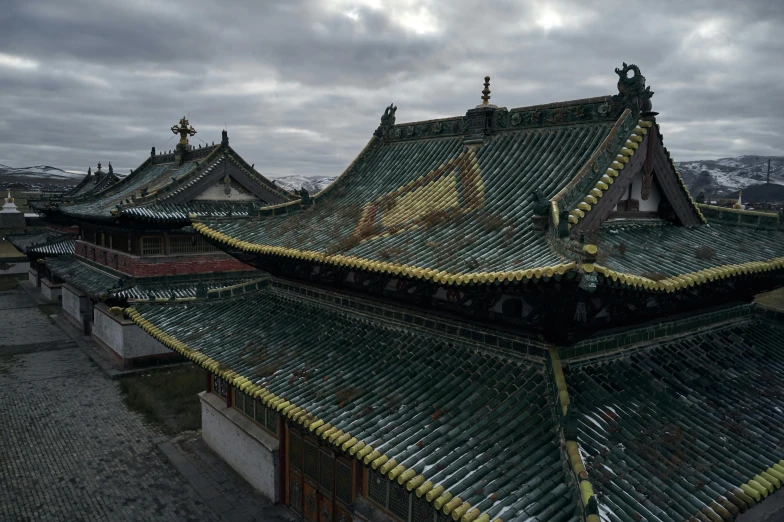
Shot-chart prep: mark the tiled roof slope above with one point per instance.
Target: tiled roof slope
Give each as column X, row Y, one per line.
column 100, row 182
column 689, row 429
column 80, row 188
column 151, row 177
column 85, row 276
column 432, row 207
column 27, row 242
column 673, row 256
column 183, row 213
column 64, row 247
column 465, row 427
column 161, row 182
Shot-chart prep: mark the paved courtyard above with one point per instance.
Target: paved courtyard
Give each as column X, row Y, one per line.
column 69, row 448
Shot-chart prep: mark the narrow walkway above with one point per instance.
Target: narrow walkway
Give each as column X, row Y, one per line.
column 224, row 490
column 69, row 448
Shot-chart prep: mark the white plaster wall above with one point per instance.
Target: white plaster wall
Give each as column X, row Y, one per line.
column 649, row 205
column 124, row 336
column 217, row 192
column 74, row 304
column 32, row 276
column 50, row 291
column 138, row 343
column 251, row 451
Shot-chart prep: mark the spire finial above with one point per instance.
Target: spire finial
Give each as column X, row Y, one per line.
column 486, row 92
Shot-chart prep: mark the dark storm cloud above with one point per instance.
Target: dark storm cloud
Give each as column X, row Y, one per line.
column 301, row 85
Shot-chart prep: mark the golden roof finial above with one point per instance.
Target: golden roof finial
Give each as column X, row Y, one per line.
column 184, row 129
column 486, row 92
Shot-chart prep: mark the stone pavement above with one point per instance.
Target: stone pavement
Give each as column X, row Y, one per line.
column 69, row 448
column 24, row 328
column 224, row 490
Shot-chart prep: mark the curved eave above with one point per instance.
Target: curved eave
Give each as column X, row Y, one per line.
column 691, row 279
column 396, row 269
column 438, row 496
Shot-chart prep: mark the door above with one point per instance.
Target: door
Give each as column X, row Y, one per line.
column 320, row 482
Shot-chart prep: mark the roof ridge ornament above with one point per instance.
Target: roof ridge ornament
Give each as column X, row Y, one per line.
column 486, row 96
column 486, row 92
column 387, row 121
column 184, row 129
column 632, row 91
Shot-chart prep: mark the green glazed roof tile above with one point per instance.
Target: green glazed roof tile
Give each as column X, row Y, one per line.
column 680, row 427
column 458, row 415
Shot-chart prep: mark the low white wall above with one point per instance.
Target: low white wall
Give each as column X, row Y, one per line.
column 51, row 290
column 251, row 451
column 123, row 336
column 74, row 304
column 32, row 276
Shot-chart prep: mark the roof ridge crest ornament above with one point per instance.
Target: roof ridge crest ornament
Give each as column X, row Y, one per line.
column 632, row 91
column 387, row 121
column 486, row 95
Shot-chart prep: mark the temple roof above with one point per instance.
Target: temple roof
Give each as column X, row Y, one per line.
column 184, row 212
column 669, row 422
column 173, row 181
column 45, row 241
column 414, row 405
column 692, row 425
column 100, row 281
column 92, row 183
column 435, row 206
column 510, row 197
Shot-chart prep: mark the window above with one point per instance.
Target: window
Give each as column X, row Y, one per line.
column 378, row 488
column 256, row 410
column 189, row 245
column 219, row 386
column 343, row 478
column 389, row 495
column 152, row 246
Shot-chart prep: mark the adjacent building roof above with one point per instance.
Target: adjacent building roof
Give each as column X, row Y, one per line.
column 101, row 281
column 184, row 212
column 168, row 185
column 43, row 241
column 462, row 424
column 91, row 184
column 90, row 278
column 687, row 425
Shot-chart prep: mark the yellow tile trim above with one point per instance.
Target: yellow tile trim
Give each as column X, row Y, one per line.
column 379, row 266
column 628, row 150
column 336, row 437
column 572, row 448
column 677, row 282
column 738, row 210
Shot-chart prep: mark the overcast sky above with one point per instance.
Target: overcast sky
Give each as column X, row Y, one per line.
column 302, row 84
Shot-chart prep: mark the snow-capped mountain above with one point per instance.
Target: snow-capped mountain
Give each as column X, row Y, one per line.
column 726, row 176
column 38, row 171
column 313, row 184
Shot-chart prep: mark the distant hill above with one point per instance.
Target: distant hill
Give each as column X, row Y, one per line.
column 313, row 184
column 726, row 176
column 36, row 176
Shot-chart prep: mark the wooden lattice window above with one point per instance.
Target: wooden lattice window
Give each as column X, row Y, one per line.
column 219, row 386
column 152, row 245
column 343, row 482
column 378, row 488
column 399, row 500
column 248, row 406
column 421, row 510
column 189, row 245
column 325, row 470
column 295, row 493
column 239, row 400
column 295, row 451
column 311, row 460
column 259, row 413
column 272, row 421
